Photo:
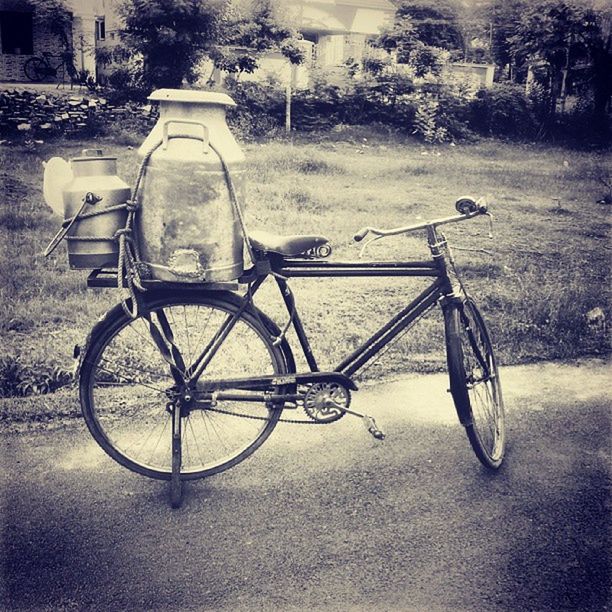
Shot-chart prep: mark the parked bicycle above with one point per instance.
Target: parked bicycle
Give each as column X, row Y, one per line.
column 55, row 66
column 199, row 379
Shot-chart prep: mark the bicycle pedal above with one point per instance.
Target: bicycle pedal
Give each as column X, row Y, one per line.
column 373, row 429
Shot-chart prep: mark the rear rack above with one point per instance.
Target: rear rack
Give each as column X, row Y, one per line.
column 107, row 279
column 103, row 278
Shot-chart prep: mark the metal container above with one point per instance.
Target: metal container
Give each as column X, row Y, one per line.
column 91, row 242
column 187, row 225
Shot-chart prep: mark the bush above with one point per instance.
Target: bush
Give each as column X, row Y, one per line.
column 124, row 84
column 319, row 108
column 260, row 108
column 582, row 125
column 383, row 98
column 19, row 380
column 502, row 110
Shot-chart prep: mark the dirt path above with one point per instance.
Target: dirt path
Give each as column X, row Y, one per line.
column 326, row 518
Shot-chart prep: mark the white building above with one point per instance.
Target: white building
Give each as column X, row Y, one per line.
column 333, row 31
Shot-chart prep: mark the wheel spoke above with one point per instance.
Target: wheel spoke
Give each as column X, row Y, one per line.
column 129, row 418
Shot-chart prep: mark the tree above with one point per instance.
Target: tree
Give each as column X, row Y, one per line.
column 403, row 38
column 504, row 15
column 400, row 37
column 252, row 28
column 56, row 17
column 171, row 35
column 434, row 23
column 565, row 34
column 174, row 36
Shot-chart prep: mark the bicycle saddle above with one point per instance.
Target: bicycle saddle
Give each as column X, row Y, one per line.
column 289, row 246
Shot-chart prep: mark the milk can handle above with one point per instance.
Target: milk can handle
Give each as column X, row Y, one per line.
column 166, row 138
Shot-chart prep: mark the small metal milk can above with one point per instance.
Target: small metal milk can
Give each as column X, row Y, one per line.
column 94, row 200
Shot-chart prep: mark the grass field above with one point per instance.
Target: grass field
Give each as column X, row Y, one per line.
column 548, row 263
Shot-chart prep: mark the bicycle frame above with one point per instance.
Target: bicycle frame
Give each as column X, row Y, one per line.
column 372, row 346
column 282, row 269
column 442, row 288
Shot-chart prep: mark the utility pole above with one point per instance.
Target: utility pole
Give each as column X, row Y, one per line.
column 288, row 107
column 291, row 82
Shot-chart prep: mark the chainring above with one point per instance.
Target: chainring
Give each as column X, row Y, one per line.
column 317, row 399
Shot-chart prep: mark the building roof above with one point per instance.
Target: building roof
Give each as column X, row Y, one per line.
column 342, row 16
column 385, row 5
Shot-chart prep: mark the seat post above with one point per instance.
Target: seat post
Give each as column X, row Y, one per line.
column 297, row 322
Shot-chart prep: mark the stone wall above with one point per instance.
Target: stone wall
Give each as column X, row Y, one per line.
column 42, row 114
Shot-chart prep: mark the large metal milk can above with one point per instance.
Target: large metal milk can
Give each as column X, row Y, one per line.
column 188, row 228
column 91, row 239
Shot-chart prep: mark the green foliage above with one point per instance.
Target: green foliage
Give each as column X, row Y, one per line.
column 435, row 24
column 400, row 37
column 503, row 16
column 550, row 29
column 259, row 110
column 254, row 28
column 19, row 380
column 382, row 98
column 562, row 34
column 421, row 35
column 427, row 60
column 125, row 84
column 57, row 18
column 427, row 123
column 320, row 107
column 502, row 110
column 260, row 27
column 172, row 37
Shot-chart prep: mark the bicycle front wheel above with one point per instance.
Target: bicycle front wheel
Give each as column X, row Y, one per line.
column 474, row 382
column 125, row 381
column 36, row 69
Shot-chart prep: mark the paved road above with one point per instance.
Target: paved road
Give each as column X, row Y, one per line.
column 327, row 518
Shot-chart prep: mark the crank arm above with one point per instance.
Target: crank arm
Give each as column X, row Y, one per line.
column 368, row 421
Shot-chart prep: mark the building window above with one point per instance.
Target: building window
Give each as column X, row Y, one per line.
column 16, row 32
column 100, row 28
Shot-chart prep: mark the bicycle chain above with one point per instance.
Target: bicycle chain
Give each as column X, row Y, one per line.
column 259, row 418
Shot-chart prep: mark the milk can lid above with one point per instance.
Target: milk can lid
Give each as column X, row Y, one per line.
column 191, row 95
column 93, row 155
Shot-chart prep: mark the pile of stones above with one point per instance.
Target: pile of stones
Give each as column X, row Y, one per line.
column 38, row 114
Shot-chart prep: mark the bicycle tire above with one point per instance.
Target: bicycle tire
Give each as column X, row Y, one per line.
column 36, row 69
column 124, row 401
column 474, row 382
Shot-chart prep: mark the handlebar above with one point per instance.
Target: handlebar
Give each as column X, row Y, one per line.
column 467, row 207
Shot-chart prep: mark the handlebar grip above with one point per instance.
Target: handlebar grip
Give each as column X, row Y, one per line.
column 361, row 234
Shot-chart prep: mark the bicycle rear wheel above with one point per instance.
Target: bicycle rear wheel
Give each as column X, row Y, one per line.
column 474, row 382
column 36, row 69
column 124, row 384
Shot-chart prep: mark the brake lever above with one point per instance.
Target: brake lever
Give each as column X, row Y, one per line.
column 367, row 244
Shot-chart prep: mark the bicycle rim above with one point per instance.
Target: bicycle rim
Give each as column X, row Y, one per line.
column 124, row 380
column 475, row 383
column 36, row 69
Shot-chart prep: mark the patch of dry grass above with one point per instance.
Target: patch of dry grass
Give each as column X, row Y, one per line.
column 549, row 266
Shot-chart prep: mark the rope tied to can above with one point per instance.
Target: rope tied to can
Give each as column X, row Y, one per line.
column 129, row 262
